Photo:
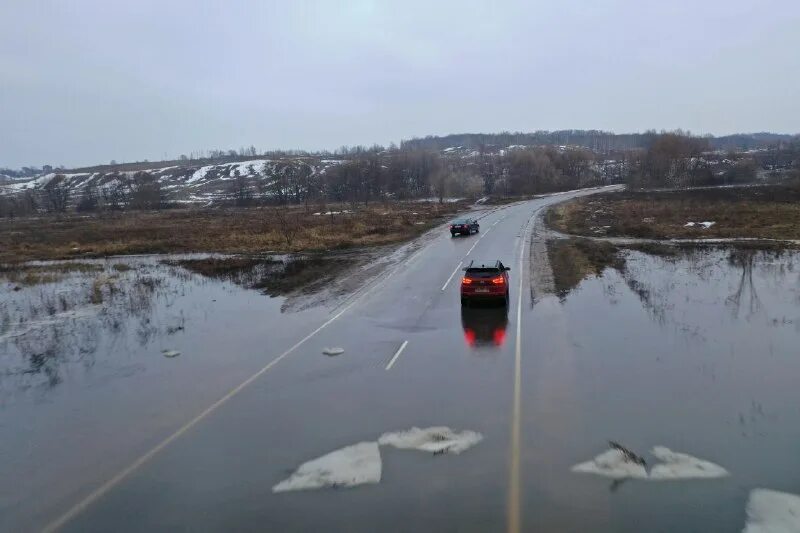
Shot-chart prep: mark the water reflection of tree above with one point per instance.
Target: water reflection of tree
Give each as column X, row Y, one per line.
column 746, row 289
column 655, row 298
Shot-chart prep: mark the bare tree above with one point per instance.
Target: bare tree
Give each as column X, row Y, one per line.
column 146, row 192
column 89, row 200
column 243, row 194
column 287, row 224
column 56, row 193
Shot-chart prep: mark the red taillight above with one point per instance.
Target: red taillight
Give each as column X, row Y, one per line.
column 466, row 281
column 499, row 336
column 469, row 336
column 499, row 280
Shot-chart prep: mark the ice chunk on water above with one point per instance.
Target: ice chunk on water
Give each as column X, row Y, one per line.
column 440, row 439
column 675, row 465
column 614, row 464
column 770, row 511
column 347, row 467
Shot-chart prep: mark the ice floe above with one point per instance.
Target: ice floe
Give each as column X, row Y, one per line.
column 612, row 463
column 618, row 463
column 360, row 463
column 440, row 439
column 770, row 511
column 675, row 465
column 350, row 466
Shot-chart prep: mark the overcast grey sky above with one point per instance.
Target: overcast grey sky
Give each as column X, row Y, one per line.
column 84, row 82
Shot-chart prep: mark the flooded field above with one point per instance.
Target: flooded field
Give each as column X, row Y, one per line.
column 695, row 350
column 99, row 358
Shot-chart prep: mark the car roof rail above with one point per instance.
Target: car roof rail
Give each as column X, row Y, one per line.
column 483, row 264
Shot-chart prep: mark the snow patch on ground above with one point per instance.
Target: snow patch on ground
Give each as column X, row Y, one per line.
column 333, row 351
column 770, row 511
column 707, row 224
column 249, row 168
column 200, row 174
column 683, row 466
column 332, row 213
column 613, row 464
column 439, row 439
column 347, row 467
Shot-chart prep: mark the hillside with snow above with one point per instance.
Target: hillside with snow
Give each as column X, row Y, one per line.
column 185, row 183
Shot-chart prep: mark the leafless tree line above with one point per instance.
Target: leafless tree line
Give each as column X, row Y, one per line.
column 140, row 191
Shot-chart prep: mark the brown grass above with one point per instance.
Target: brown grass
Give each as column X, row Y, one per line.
column 29, row 275
column 273, row 277
column 771, row 212
column 214, row 230
column 574, row 260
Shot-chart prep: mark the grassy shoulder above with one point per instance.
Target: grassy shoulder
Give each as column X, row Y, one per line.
column 574, row 260
column 768, row 212
column 245, row 230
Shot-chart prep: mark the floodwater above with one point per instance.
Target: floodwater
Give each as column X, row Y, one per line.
column 84, row 381
column 697, row 352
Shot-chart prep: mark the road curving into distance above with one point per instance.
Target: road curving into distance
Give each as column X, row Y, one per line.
column 413, row 357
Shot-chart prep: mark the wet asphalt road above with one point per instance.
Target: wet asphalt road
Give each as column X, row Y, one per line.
column 654, row 357
column 218, row 474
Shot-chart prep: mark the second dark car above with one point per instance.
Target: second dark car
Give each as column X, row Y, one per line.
column 464, row 226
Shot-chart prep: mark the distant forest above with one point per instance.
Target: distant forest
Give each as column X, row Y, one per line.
column 600, row 141
column 465, row 166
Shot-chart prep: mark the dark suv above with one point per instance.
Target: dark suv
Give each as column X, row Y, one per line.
column 485, row 281
column 464, row 226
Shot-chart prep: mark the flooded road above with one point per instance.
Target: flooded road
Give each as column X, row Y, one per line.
column 693, row 351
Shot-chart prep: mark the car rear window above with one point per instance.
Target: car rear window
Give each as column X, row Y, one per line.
column 483, row 272
column 460, row 221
